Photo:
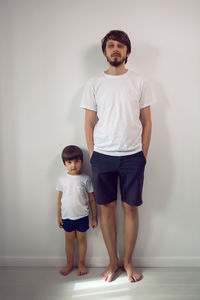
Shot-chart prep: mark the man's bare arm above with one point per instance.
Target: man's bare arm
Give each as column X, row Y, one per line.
column 90, row 122
column 145, row 118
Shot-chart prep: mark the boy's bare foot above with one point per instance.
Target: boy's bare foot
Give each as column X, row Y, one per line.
column 82, row 270
column 109, row 274
column 132, row 273
column 66, row 270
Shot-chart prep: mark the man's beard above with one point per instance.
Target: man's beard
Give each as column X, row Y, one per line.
column 115, row 62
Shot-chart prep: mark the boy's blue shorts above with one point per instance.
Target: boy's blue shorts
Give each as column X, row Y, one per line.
column 107, row 169
column 81, row 224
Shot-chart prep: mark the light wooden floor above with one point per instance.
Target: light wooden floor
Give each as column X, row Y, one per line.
column 48, row 284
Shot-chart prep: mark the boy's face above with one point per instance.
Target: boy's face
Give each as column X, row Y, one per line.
column 115, row 52
column 73, row 166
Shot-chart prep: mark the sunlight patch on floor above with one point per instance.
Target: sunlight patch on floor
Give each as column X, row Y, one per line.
column 85, row 285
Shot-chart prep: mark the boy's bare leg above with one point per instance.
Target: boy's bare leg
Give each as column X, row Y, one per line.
column 82, row 248
column 109, row 231
column 69, row 247
column 131, row 222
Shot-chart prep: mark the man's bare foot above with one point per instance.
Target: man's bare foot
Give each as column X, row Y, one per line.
column 66, row 270
column 109, row 274
column 132, row 273
column 82, row 270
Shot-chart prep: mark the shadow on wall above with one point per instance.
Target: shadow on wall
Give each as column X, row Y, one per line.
column 95, row 61
column 144, row 59
column 158, row 176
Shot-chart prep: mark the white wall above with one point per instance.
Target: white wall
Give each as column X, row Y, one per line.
column 48, row 51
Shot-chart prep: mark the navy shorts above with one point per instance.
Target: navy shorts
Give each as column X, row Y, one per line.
column 107, row 169
column 81, row 224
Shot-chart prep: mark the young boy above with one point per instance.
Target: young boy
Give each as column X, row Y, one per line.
column 75, row 192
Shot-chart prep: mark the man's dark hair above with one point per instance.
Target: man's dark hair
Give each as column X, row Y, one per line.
column 117, row 35
column 72, row 152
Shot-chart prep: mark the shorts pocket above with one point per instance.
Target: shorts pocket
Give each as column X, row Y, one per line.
column 144, row 157
column 92, row 156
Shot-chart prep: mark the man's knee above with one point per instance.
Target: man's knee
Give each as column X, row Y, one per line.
column 108, row 209
column 129, row 209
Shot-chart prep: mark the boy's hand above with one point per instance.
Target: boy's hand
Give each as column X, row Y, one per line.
column 60, row 222
column 94, row 223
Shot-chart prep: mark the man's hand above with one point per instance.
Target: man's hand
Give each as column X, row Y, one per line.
column 145, row 154
column 90, row 153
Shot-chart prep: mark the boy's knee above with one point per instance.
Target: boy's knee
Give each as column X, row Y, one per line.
column 81, row 236
column 70, row 236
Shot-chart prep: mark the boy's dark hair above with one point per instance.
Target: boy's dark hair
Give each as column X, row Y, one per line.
column 117, row 35
column 72, row 152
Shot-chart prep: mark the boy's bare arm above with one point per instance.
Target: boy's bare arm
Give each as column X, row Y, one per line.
column 60, row 222
column 93, row 209
column 90, row 122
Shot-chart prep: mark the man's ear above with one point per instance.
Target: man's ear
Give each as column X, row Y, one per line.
column 104, row 52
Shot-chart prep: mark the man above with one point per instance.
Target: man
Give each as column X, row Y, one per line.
column 118, row 130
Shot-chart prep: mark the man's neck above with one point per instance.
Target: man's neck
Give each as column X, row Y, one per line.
column 116, row 70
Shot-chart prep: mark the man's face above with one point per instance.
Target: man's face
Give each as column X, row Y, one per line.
column 115, row 53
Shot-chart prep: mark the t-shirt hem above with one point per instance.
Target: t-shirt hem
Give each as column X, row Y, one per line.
column 146, row 105
column 74, row 218
column 87, row 107
column 118, row 153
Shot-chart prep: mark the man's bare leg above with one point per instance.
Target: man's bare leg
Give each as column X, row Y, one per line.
column 131, row 223
column 69, row 248
column 82, row 248
column 109, row 231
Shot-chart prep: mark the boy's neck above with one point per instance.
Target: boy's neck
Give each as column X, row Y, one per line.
column 76, row 174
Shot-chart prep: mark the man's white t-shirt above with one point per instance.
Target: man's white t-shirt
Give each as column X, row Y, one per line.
column 75, row 189
column 117, row 101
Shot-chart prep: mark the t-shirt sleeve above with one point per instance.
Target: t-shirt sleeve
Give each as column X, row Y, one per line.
column 59, row 186
column 89, row 185
column 146, row 98
column 88, row 100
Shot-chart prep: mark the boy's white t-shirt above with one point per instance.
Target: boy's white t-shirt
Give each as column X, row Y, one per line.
column 74, row 201
column 117, row 101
